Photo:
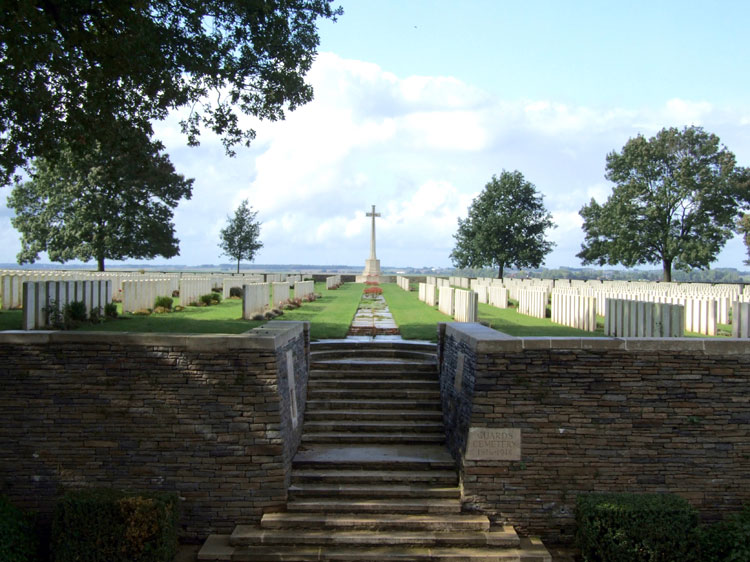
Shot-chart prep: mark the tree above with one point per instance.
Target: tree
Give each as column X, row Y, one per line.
column 506, row 226
column 676, row 201
column 113, row 202
column 239, row 240
column 743, row 227
column 71, row 70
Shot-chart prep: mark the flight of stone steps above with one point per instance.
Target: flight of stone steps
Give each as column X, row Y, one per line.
column 372, row 479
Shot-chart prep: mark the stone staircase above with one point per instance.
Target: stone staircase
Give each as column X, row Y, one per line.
column 372, row 479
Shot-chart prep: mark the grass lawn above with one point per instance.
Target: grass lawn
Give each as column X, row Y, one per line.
column 330, row 317
column 415, row 320
column 509, row 321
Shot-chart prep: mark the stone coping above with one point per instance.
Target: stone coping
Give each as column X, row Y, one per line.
column 486, row 340
column 270, row 336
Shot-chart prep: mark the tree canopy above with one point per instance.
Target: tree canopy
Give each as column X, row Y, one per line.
column 676, row 200
column 240, row 239
column 505, row 226
column 113, row 202
column 72, row 71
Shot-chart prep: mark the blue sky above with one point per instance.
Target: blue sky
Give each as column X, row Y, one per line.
column 417, row 104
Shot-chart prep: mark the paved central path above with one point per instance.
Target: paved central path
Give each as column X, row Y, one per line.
column 372, row 479
column 373, row 318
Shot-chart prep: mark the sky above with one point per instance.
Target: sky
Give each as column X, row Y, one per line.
column 419, row 103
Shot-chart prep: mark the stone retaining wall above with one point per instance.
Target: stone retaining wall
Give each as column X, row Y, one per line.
column 210, row 417
column 594, row 414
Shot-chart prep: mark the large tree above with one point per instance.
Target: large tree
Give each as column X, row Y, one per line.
column 506, row 226
column 240, row 239
column 676, row 201
column 114, row 202
column 71, row 70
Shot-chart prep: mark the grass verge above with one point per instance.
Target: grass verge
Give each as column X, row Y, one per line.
column 331, row 315
column 415, row 319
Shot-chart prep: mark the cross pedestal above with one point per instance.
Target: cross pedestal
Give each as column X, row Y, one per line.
column 372, row 264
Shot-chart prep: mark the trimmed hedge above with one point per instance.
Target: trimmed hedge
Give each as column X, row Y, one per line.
column 18, row 541
column 728, row 540
column 635, row 527
column 115, row 526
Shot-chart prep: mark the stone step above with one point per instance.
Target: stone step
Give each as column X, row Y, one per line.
column 365, row 347
column 373, row 457
column 373, row 415
column 359, row 426
column 376, row 491
column 318, row 404
column 370, row 374
column 373, row 354
column 444, row 477
column 392, row 366
column 372, row 393
column 395, row 385
column 246, row 535
column 218, row 549
column 368, row 437
column 368, row 505
column 460, row 522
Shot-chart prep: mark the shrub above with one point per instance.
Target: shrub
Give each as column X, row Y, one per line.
column 163, row 302
column 258, row 317
column 110, row 310
column 216, row 298
column 728, row 540
column 634, row 527
column 74, row 312
column 206, row 300
column 176, row 294
column 18, row 541
column 269, row 315
column 373, row 291
column 96, row 315
column 235, row 292
column 102, row 524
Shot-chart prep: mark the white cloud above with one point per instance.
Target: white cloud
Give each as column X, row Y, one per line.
column 418, row 147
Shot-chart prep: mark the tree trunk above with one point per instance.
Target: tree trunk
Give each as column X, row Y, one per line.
column 667, row 266
column 100, row 263
column 238, row 265
column 500, row 269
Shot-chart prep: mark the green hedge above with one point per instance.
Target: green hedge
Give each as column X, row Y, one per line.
column 635, row 527
column 114, row 526
column 727, row 541
column 18, row 541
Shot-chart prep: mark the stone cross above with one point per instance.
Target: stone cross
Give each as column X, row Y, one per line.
column 373, row 214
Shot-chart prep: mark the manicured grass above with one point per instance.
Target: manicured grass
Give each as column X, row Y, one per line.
column 509, row 321
column 331, row 315
column 223, row 318
column 415, row 320
column 10, row 319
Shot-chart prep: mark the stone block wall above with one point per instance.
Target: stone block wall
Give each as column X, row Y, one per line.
column 207, row 416
column 596, row 414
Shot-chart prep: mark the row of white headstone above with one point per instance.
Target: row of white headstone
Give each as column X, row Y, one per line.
column 41, row 297
column 403, row 282
column 333, row 282
column 11, row 281
column 256, row 297
column 461, row 304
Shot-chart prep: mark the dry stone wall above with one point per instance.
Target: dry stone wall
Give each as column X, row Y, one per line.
column 216, row 419
column 593, row 414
